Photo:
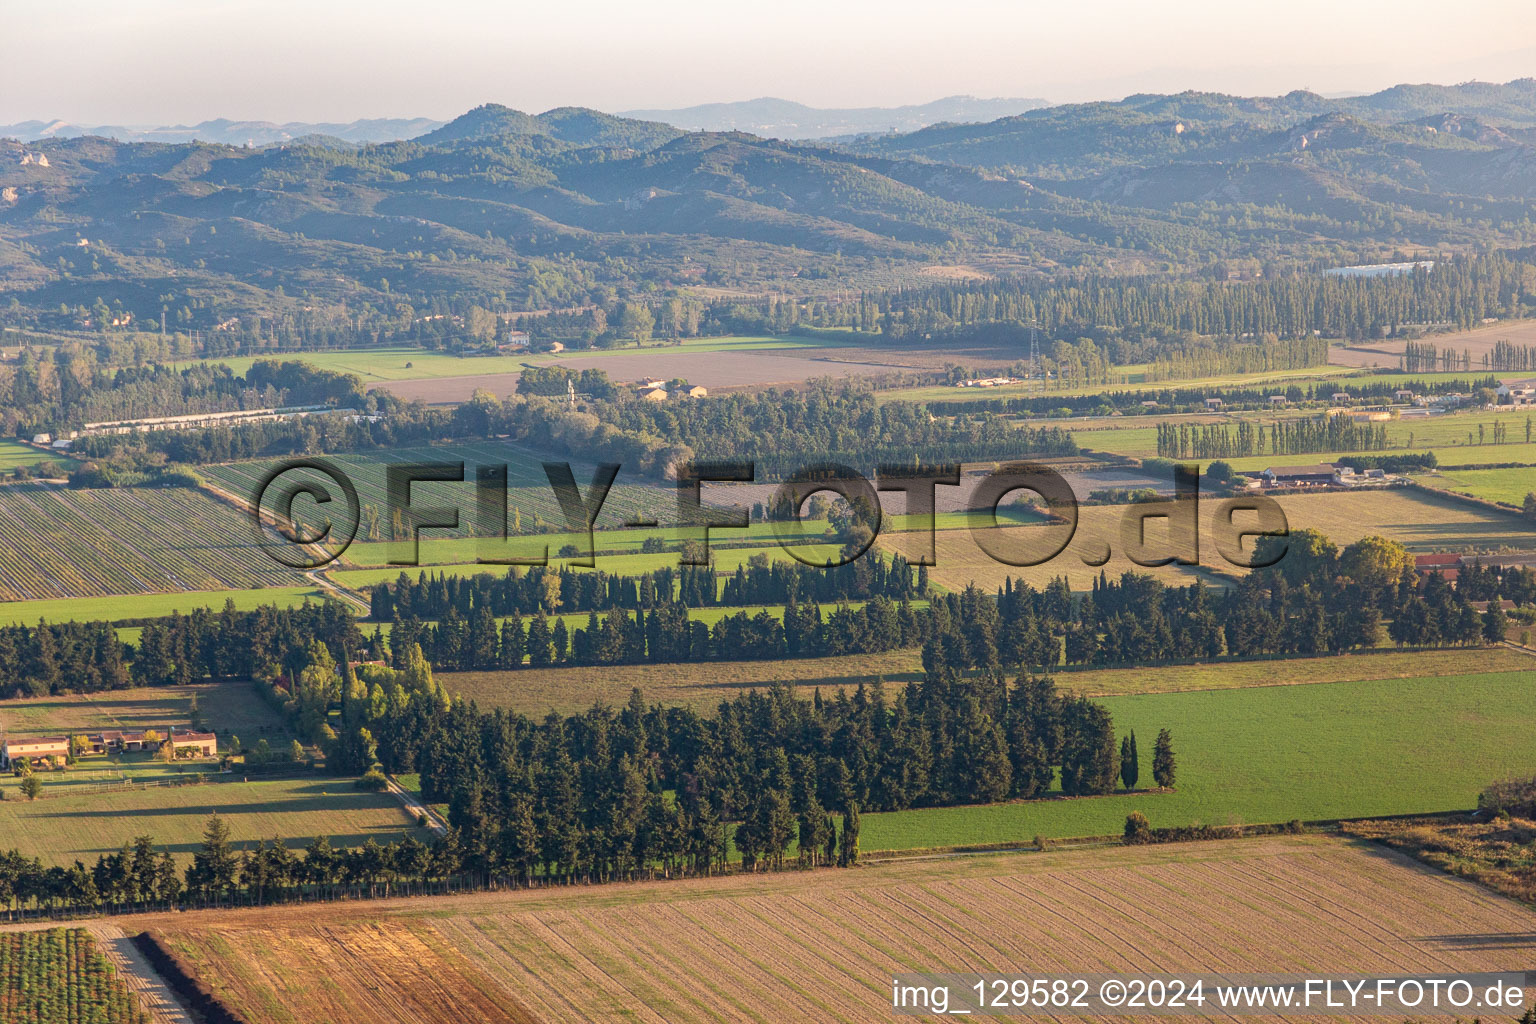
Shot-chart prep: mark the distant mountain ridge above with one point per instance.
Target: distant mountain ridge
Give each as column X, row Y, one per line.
column 505, row 209
column 771, row 117
column 230, row 133
column 1071, row 139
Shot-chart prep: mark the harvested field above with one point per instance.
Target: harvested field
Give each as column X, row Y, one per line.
column 1341, row 668
column 1478, row 342
column 823, row 945
column 702, row 685
column 1420, row 521
column 396, row 971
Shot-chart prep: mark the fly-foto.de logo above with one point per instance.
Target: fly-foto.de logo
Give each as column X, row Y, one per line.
column 306, row 512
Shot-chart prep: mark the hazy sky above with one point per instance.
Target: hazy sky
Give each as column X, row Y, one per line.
column 168, row 61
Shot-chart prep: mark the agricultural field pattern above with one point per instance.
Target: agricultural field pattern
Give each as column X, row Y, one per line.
column 66, row 543
column 819, row 946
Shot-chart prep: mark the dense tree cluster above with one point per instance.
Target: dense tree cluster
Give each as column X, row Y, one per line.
column 1459, row 292
column 67, row 387
column 761, row 581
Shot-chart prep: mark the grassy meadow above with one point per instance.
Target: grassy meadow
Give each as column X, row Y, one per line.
column 116, row 608
column 1273, row 753
column 63, row 829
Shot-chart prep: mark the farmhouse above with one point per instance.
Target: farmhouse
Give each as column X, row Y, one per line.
column 654, row 394
column 1517, row 393
column 33, row 749
column 201, row 744
column 117, row 740
column 516, row 341
column 1277, row 399
column 1299, row 476
column 1448, row 566
column 1341, row 396
column 696, row 392
column 1213, row 403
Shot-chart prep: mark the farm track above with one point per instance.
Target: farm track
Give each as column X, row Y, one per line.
column 139, row 975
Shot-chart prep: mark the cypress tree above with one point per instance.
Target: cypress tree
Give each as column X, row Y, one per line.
column 848, row 847
column 1163, row 767
column 1130, row 770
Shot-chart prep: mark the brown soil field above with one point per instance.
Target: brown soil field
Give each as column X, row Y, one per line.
column 1477, row 341
column 534, row 691
column 824, row 945
column 1420, row 521
column 720, row 370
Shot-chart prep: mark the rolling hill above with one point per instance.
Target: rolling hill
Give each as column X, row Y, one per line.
column 511, row 210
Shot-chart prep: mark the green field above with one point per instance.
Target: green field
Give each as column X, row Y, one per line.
column 1273, row 753
column 402, row 363
column 14, row 454
column 232, row 707
column 1507, row 485
column 62, row 829
column 134, row 606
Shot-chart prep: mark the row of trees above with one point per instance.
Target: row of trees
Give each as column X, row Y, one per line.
column 1337, row 432
column 1315, row 598
column 761, row 581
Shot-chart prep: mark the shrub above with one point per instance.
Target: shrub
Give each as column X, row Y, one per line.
column 1137, row 829
column 373, row 781
column 1512, row 796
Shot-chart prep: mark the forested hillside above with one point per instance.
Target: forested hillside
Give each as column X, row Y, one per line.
column 510, row 211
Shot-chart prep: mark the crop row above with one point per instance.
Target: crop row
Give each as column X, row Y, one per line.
column 58, row 543
column 60, row 977
column 530, row 499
